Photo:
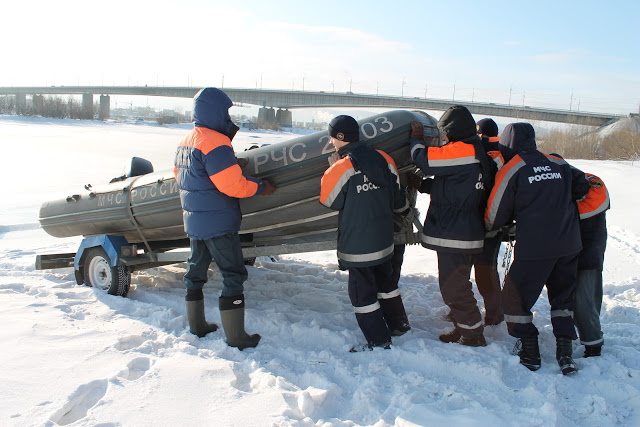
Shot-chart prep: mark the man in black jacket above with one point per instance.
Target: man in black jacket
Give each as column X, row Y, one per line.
column 363, row 184
column 538, row 191
column 453, row 226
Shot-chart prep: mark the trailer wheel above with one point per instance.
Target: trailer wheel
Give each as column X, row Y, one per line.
column 99, row 273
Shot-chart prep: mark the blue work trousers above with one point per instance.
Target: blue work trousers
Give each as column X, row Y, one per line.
column 523, row 286
column 226, row 251
column 364, row 285
column 588, row 305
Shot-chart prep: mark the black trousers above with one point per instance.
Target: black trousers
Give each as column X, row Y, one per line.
column 365, row 283
column 523, row 286
column 454, row 270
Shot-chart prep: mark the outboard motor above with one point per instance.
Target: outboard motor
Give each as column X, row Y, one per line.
column 139, row 166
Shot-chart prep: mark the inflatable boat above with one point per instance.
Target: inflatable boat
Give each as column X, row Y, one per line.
column 141, row 210
column 146, row 207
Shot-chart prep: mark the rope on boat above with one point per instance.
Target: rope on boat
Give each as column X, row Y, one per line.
column 133, row 220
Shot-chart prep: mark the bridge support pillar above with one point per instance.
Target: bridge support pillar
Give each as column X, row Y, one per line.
column 266, row 117
column 38, row 104
column 87, row 106
column 105, row 107
column 21, row 103
column 284, row 118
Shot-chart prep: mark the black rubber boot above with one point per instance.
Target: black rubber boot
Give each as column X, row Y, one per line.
column 529, row 352
column 457, row 337
column 232, row 315
column 592, row 350
column 370, row 347
column 197, row 322
column 395, row 316
column 564, row 353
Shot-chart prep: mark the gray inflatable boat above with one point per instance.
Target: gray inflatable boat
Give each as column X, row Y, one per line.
column 145, row 208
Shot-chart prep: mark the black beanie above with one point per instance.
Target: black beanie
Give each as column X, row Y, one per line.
column 487, row 127
column 457, row 123
column 344, row 128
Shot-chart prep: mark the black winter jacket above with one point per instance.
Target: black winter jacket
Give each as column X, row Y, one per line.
column 365, row 187
column 538, row 191
column 458, row 194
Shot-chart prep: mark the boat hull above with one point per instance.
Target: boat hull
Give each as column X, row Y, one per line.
column 147, row 208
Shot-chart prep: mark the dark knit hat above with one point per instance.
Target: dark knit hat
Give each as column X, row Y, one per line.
column 487, row 127
column 457, row 123
column 345, row 128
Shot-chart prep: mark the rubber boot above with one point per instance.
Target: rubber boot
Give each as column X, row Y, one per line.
column 529, row 352
column 592, row 350
column 395, row 315
column 232, row 315
column 197, row 322
column 564, row 352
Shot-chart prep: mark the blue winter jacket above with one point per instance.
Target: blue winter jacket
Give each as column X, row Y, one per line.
column 207, row 171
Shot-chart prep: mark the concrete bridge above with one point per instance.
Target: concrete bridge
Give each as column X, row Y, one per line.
column 285, row 100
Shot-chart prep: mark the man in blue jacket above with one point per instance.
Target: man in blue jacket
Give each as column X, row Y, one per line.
column 210, row 183
column 538, row 191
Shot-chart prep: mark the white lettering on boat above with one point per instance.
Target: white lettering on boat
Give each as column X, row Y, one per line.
column 138, row 194
column 286, row 155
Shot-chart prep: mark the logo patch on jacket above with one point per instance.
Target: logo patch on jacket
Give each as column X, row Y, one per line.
column 595, row 183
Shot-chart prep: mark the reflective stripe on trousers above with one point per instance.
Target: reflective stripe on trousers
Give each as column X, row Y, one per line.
column 367, row 308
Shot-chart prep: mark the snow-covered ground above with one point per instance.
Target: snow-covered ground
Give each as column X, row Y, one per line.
column 72, row 355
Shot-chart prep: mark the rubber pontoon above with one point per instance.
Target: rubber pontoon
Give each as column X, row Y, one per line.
column 147, row 207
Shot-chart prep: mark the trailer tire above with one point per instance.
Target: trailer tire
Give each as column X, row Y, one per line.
column 99, row 273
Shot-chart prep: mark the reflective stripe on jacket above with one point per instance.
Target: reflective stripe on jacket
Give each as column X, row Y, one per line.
column 536, row 190
column 597, row 199
column 454, row 219
column 365, row 221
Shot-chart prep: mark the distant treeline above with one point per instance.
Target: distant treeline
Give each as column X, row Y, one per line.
column 618, row 145
column 49, row 106
column 571, row 144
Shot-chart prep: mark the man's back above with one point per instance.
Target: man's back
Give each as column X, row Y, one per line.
column 364, row 187
column 535, row 190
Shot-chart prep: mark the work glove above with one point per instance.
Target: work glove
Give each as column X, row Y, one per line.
column 269, row 188
column 417, row 130
column 414, row 181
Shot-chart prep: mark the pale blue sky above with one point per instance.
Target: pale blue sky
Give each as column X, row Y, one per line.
column 560, row 54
